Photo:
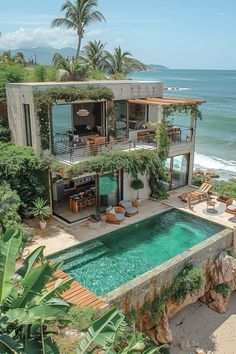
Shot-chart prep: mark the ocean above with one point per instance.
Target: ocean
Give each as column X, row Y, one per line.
column 216, row 133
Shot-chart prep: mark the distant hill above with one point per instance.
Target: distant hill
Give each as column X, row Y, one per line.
column 155, row 67
column 44, row 55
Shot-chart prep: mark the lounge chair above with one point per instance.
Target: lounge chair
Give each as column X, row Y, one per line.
column 115, row 215
column 231, row 206
column 129, row 206
column 199, row 194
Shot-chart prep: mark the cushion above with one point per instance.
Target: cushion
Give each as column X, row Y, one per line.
column 125, row 203
column 231, row 207
column 109, row 208
column 234, row 204
column 112, row 211
column 119, row 216
column 131, row 210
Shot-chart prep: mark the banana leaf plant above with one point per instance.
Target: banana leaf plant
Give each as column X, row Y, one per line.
column 27, row 306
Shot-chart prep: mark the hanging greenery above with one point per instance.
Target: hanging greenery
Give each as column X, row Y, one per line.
column 133, row 162
column 44, row 100
column 182, row 108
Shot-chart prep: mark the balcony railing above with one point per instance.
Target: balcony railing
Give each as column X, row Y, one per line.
column 71, row 151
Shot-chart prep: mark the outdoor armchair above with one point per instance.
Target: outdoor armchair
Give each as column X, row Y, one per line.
column 231, row 206
column 129, row 206
column 115, row 215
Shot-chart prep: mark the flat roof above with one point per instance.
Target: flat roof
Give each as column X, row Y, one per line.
column 166, row 101
column 78, row 83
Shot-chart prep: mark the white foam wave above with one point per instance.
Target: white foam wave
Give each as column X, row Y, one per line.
column 214, row 163
column 177, row 88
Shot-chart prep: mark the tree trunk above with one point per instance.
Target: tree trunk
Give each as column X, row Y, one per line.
column 78, row 47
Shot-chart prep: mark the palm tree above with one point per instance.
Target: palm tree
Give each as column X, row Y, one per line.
column 121, row 62
column 8, row 59
column 70, row 69
column 78, row 16
column 94, row 53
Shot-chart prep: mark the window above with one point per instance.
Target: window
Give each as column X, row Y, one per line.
column 28, row 133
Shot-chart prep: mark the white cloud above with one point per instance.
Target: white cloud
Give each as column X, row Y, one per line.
column 39, row 36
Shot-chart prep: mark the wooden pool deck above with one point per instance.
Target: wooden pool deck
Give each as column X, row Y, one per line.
column 77, row 294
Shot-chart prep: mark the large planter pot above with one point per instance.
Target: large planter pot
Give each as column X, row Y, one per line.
column 42, row 225
column 95, row 224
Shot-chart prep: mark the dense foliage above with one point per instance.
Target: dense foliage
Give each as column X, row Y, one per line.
column 9, row 206
column 24, row 172
column 134, row 163
column 5, row 134
column 223, row 289
column 27, row 306
column 191, row 278
column 225, row 188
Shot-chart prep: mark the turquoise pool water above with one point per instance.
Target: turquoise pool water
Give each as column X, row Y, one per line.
column 104, row 264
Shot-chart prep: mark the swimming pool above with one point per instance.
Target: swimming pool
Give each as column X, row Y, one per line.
column 115, row 258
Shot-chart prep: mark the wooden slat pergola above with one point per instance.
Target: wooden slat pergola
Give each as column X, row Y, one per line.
column 166, row 101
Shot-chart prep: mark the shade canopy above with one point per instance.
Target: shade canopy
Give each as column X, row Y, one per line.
column 166, row 101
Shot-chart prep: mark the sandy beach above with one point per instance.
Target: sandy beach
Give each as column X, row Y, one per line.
column 214, row 333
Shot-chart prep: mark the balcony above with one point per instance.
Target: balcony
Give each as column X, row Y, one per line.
column 72, row 150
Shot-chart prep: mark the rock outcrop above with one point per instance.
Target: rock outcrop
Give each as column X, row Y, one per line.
column 215, row 291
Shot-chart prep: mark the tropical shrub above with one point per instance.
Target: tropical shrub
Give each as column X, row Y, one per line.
column 40, row 73
column 223, row 289
column 81, row 318
column 27, row 306
column 225, row 188
column 110, row 333
column 197, row 181
column 191, row 278
column 5, row 134
column 40, row 209
column 25, row 173
column 9, row 206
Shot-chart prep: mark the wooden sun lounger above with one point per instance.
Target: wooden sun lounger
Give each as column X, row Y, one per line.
column 198, row 194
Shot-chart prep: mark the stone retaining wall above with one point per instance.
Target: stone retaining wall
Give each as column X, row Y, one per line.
column 145, row 287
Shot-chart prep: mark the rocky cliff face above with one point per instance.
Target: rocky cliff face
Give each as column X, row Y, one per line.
column 220, row 281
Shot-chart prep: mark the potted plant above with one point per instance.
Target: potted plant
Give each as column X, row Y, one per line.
column 137, row 184
column 95, row 221
column 41, row 210
column 113, row 133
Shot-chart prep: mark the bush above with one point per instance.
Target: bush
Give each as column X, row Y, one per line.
column 81, row 318
column 5, row 134
column 9, row 206
column 191, row 278
column 226, row 188
column 23, row 170
column 137, row 184
column 40, row 73
column 223, row 289
column 198, row 181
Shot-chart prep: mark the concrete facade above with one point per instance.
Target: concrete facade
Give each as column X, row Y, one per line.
column 20, row 94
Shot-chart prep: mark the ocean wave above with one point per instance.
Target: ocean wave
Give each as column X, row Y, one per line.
column 214, row 163
column 177, row 88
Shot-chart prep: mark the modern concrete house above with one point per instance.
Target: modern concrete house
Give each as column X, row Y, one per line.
column 85, row 128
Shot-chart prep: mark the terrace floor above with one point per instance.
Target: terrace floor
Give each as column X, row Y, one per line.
column 58, row 236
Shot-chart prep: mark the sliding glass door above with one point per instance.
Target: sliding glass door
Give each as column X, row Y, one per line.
column 108, row 190
column 178, row 167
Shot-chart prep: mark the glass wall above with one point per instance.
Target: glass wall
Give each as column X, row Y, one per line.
column 61, row 126
column 178, row 167
column 108, row 190
column 121, row 121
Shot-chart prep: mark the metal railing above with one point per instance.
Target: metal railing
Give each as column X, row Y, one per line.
column 72, row 152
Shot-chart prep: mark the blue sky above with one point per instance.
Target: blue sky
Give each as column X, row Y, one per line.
column 177, row 33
